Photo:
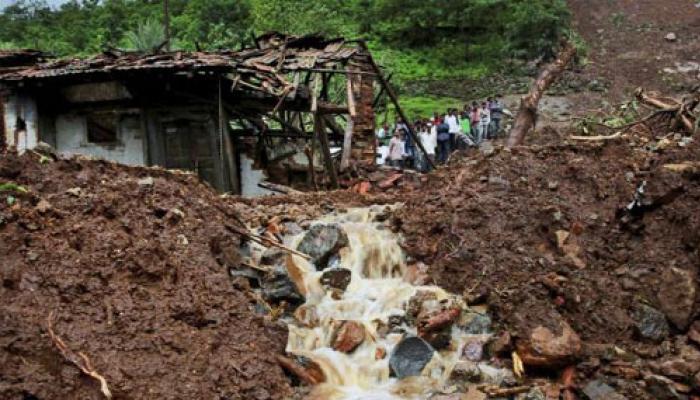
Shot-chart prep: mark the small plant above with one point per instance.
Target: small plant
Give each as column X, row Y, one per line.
column 12, row 187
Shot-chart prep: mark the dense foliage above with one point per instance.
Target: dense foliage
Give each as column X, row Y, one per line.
column 415, row 39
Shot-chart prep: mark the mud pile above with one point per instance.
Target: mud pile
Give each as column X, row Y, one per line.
column 132, row 264
column 600, row 237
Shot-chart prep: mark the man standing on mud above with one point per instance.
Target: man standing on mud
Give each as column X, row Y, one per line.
column 443, row 139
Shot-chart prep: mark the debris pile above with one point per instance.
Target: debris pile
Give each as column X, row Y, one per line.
column 585, row 253
column 120, row 274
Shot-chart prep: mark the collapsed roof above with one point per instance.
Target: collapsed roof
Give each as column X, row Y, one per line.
column 261, row 68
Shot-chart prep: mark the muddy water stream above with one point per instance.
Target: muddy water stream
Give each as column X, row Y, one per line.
column 377, row 297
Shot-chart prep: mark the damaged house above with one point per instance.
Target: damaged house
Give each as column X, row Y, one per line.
column 280, row 111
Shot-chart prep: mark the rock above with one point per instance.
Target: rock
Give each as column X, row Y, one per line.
column 43, row 207
column 410, row 356
column 348, row 337
column 671, row 37
column 534, row 394
column 552, row 185
column 76, row 191
column 336, row 278
column 650, row 323
column 417, row 274
column 500, row 345
column 486, row 148
column 415, row 304
column 676, row 295
column 466, row 371
column 480, row 324
column 379, row 353
column 661, row 388
column 599, row 390
column 32, row 255
column 694, row 332
column 546, row 349
column 473, row 351
column 496, row 376
column 278, row 286
column 321, row 242
column 147, row 181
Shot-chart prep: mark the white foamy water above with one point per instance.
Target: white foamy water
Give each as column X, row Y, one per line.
column 376, row 291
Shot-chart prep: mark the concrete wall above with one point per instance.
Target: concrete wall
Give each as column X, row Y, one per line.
column 20, row 108
column 71, row 138
column 250, row 178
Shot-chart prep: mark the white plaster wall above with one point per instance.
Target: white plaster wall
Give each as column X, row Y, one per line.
column 71, row 138
column 250, row 178
column 24, row 107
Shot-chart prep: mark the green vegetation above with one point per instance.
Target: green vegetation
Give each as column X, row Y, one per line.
column 413, row 39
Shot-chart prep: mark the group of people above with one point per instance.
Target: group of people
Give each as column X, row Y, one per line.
column 442, row 134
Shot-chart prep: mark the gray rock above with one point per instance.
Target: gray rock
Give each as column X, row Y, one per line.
column 277, row 286
column 321, row 242
column 671, row 37
column 651, row 323
column 599, row 390
column 410, row 356
column 147, row 181
column 533, row 394
column 479, row 325
column 662, row 388
column 337, row 278
column 486, row 148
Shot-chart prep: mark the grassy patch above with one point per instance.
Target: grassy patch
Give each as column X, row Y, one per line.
column 420, row 106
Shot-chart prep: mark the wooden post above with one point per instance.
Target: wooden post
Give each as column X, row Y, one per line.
column 527, row 115
column 320, row 130
column 395, row 100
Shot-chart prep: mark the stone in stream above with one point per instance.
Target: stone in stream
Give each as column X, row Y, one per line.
column 321, row 242
column 348, row 337
column 277, row 286
column 651, row 323
column 336, row 278
column 480, row 324
column 410, row 356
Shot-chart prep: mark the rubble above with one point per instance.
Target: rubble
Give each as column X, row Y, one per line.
column 321, row 242
column 410, row 356
column 545, row 348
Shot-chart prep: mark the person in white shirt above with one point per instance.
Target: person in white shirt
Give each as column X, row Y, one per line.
column 396, row 150
column 453, row 122
column 428, row 138
column 485, row 120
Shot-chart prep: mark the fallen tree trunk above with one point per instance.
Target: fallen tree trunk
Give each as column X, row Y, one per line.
column 275, row 187
column 527, row 115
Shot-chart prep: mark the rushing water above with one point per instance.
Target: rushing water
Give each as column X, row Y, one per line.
column 377, row 290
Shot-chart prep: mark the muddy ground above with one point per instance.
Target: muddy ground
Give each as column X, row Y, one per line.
column 132, row 262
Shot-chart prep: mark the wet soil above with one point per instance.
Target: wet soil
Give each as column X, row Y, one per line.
column 135, row 273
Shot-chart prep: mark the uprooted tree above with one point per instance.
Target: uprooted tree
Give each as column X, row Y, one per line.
column 680, row 113
column 526, row 118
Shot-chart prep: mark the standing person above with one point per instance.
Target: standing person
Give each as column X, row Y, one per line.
column 428, row 138
column 484, row 120
column 476, row 125
column 383, row 134
column 443, row 140
column 396, row 150
column 436, row 119
column 453, row 123
column 496, row 108
column 466, row 124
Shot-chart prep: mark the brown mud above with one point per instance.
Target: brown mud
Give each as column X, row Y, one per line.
column 132, row 262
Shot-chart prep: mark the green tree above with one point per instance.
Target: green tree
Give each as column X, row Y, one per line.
column 212, row 24
column 147, row 37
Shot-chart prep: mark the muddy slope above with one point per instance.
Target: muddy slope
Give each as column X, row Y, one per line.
column 543, row 231
column 132, row 264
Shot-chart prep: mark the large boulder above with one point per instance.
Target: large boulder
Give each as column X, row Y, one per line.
column 676, row 296
column 323, row 241
column 410, row 356
column 277, row 286
column 549, row 348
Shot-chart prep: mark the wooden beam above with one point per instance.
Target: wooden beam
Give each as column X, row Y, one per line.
column 395, row 100
column 320, row 130
column 375, row 103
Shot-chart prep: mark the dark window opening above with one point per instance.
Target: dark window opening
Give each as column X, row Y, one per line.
column 102, row 128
